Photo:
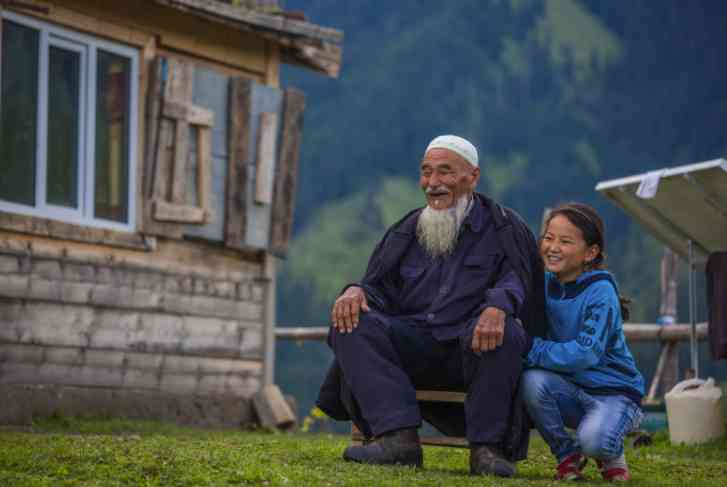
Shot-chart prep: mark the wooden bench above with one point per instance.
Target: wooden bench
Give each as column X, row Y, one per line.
column 428, row 396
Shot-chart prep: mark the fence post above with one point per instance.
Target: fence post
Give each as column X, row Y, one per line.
column 668, row 314
column 667, row 369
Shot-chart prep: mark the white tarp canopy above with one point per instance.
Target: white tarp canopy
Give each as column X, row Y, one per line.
column 680, row 206
column 677, row 205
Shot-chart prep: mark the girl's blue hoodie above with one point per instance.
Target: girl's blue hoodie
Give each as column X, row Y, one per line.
column 585, row 340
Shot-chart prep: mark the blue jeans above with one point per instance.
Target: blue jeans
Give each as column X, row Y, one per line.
column 601, row 422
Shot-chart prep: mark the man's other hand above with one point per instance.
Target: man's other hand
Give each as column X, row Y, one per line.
column 347, row 307
column 490, row 330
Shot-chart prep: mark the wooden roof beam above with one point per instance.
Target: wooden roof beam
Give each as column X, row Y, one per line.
column 303, row 43
column 254, row 18
column 325, row 58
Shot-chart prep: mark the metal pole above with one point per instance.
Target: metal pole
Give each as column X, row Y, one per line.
column 694, row 351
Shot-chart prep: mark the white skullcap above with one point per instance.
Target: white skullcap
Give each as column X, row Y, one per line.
column 461, row 146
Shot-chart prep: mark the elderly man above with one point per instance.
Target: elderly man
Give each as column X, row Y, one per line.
column 450, row 300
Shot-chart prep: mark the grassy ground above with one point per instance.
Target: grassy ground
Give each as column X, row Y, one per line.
column 65, row 452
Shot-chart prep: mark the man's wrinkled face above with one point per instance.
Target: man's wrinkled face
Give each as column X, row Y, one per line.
column 445, row 177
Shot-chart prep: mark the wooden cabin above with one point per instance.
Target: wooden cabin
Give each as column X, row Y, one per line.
column 149, row 161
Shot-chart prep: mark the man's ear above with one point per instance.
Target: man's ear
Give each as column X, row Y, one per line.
column 475, row 178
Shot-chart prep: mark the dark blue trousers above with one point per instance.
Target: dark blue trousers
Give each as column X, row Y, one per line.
column 384, row 360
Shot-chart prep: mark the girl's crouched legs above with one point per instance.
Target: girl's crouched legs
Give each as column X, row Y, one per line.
column 603, row 428
column 552, row 403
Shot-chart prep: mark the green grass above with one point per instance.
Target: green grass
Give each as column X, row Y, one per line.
column 110, row 452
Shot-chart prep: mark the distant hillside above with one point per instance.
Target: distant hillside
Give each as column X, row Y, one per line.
column 556, row 94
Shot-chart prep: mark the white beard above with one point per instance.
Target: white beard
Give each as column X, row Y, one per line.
column 437, row 230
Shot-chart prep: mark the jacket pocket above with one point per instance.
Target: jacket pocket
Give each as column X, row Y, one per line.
column 481, row 267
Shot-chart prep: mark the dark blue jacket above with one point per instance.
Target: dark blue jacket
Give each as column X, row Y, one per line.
column 521, row 250
column 515, row 238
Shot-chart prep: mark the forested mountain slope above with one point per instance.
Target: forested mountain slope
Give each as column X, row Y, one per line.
column 557, row 95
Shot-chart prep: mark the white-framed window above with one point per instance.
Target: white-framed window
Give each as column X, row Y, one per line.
column 68, row 118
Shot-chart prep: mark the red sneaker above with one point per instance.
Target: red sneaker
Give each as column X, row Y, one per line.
column 614, row 474
column 571, row 467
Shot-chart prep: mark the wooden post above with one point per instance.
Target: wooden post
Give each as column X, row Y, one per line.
column 668, row 312
column 667, row 369
column 669, row 283
column 272, row 409
column 269, row 266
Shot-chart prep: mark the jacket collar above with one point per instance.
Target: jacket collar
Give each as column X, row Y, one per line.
column 570, row 290
column 475, row 216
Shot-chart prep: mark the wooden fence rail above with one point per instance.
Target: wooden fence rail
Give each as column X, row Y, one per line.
column 633, row 332
column 668, row 335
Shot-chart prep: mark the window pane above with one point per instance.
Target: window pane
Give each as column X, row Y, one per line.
column 18, row 116
column 63, row 112
column 112, row 137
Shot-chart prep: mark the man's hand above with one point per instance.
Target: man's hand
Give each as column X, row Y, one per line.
column 346, row 309
column 489, row 331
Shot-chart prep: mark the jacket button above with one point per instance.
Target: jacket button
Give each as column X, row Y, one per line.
column 430, row 316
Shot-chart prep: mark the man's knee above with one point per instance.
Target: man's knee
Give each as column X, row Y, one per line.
column 514, row 342
column 369, row 330
column 514, row 339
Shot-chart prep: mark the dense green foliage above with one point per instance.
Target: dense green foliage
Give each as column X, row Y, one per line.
column 557, row 95
column 109, row 453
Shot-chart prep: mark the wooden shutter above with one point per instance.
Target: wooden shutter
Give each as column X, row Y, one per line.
column 241, row 93
column 286, row 177
column 170, row 115
column 263, row 165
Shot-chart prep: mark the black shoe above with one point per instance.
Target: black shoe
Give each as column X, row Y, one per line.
column 400, row 447
column 486, row 460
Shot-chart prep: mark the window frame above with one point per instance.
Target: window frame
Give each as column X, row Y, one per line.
column 51, row 35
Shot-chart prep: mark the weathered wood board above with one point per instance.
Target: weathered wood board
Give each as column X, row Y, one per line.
column 211, row 91
column 286, row 174
column 52, row 324
column 265, row 100
column 35, row 364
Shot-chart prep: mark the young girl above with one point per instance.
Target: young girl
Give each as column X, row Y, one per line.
column 583, row 375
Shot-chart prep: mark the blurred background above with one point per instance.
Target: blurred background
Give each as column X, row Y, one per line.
column 556, row 94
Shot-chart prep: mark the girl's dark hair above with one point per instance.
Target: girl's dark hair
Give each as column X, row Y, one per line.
column 587, row 220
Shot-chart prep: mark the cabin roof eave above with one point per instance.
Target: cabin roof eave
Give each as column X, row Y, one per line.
column 302, row 43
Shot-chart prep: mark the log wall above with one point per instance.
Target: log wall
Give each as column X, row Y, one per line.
column 65, row 321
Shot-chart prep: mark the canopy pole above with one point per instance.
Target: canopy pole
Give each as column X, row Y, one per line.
column 694, row 351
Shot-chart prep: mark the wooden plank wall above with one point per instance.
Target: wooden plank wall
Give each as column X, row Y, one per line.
column 66, row 321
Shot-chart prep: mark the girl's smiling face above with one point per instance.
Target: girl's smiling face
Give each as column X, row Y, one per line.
column 564, row 250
